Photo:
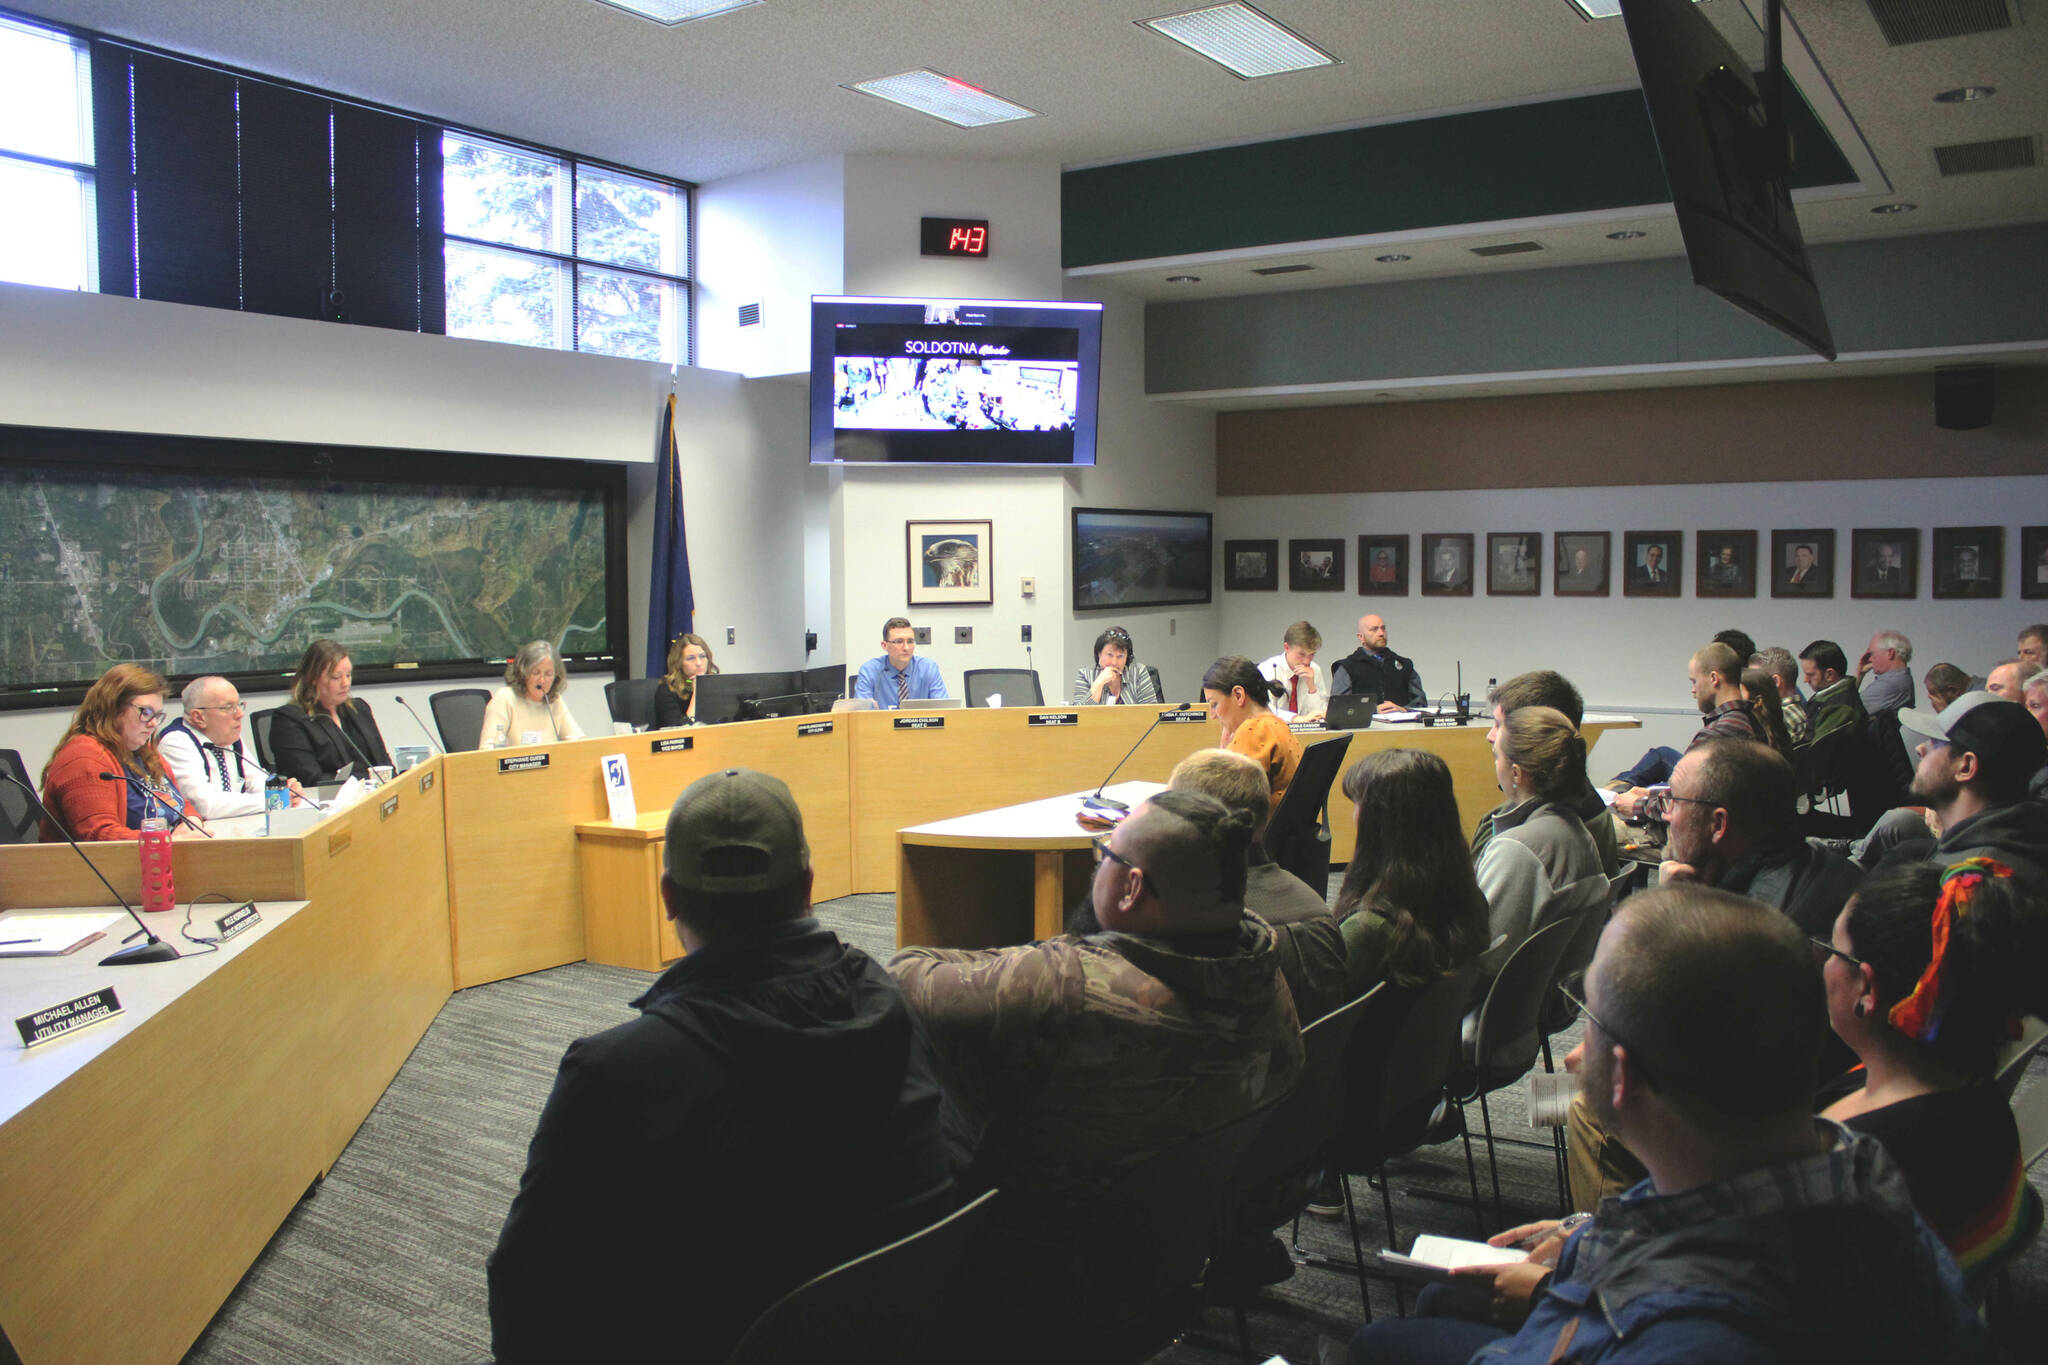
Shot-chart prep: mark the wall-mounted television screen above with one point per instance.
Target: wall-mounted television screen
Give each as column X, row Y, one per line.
column 953, row 381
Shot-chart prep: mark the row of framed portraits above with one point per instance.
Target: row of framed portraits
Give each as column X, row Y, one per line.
column 1883, row 562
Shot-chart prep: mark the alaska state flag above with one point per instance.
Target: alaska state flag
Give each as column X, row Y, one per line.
column 671, row 605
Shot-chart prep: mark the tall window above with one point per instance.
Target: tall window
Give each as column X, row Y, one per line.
column 545, row 250
column 48, row 230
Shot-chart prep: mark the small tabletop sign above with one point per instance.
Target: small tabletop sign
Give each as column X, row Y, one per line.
column 672, row 744
column 920, row 722
column 815, row 727
column 522, row 763
column 68, row 1017
column 1054, row 718
column 242, row 917
column 618, row 790
column 1196, row 717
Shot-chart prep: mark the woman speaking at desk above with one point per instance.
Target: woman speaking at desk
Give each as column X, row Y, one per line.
column 675, row 701
column 529, row 708
column 113, row 731
column 1237, row 695
column 323, row 730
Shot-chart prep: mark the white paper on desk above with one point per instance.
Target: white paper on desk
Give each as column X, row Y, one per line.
column 352, row 791
column 1386, row 717
column 994, row 699
column 618, row 789
column 1606, row 796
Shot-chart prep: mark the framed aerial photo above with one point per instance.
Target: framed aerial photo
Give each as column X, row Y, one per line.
column 2034, row 562
column 1726, row 566
column 1884, row 562
column 1135, row 557
column 1582, row 563
column 1803, row 563
column 1383, row 566
column 1251, row 566
column 1651, row 563
column 948, row 563
column 1514, row 563
column 1447, row 565
column 1315, row 565
column 1969, row 561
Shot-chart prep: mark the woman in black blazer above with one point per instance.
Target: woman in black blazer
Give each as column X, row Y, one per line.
column 325, row 731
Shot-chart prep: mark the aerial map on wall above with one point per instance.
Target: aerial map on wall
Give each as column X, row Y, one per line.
column 194, row 574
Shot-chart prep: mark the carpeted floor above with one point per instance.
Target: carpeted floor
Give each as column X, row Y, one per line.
column 385, row 1263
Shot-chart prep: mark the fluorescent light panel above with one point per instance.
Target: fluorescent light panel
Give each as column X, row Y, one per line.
column 677, row 11
column 1603, row 9
column 1240, row 40
column 941, row 96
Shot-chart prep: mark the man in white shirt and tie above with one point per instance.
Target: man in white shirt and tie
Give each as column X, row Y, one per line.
column 1295, row 668
column 206, row 755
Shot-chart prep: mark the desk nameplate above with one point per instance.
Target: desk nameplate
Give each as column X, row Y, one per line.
column 68, row 1016
column 1054, row 718
column 522, row 763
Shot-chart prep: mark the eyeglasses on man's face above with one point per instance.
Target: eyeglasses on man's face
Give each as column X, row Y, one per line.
column 238, row 707
column 1573, row 989
column 1104, row 853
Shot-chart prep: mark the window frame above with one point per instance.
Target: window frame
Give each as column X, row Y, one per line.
column 84, row 174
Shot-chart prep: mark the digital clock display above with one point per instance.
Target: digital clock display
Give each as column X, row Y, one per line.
column 954, row 237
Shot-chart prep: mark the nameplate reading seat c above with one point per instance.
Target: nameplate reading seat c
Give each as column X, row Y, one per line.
column 522, row 763
column 91, row 1008
column 1054, row 718
column 920, row 722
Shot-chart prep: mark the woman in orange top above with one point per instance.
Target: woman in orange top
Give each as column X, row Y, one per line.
column 1237, row 695
column 113, row 731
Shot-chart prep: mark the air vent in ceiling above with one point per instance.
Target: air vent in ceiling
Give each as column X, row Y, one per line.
column 1281, row 269
column 1507, row 249
column 1918, row 21
column 750, row 315
column 1998, row 154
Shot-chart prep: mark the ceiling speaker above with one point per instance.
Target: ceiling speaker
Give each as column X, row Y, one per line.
column 1963, row 396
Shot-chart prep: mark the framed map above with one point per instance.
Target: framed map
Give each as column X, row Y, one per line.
column 193, row 555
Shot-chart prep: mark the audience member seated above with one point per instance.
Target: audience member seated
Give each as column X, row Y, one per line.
column 1715, row 674
column 1238, row 695
column 1944, row 683
column 2032, row 647
column 1854, row 765
column 529, row 708
column 1760, row 690
column 1832, row 699
column 1301, row 688
column 675, row 700
column 1976, row 759
column 2037, row 706
column 113, row 730
column 1883, row 679
column 323, row 732
column 1271, row 892
column 1545, row 688
column 1738, row 641
column 1928, row 974
column 1539, row 857
column 1068, row 1061
column 1784, row 670
column 1117, row 676
column 1375, row 670
column 204, row 752
column 1761, row 1233
column 772, row 1112
column 898, row 675
column 2007, row 680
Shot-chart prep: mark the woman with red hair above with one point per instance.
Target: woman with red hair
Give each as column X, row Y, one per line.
column 113, row 731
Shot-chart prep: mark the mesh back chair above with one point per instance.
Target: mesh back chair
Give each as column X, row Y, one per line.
column 459, row 716
column 1559, row 1012
column 1013, row 685
column 631, row 701
column 885, row 1305
column 18, row 814
column 259, row 733
column 1298, row 835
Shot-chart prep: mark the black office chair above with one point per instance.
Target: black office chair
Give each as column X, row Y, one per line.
column 631, row 701
column 1298, row 835
column 1012, row 684
column 459, row 716
column 1158, row 687
column 259, row 732
column 889, row 1304
column 18, row 815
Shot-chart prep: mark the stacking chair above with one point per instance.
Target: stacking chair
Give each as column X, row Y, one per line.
column 1016, row 686
column 889, row 1304
column 259, row 732
column 631, row 701
column 1558, row 1012
column 18, row 814
column 1298, row 835
column 459, row 716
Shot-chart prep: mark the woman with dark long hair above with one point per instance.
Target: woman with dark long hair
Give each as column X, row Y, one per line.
column 1239, row 697
column 1410, row 881
column 1760, row 689
column 326, row 730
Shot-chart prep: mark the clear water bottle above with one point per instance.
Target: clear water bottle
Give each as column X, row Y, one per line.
column 159, row 891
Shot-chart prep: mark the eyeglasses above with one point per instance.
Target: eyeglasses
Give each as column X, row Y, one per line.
column 1670, row 795
column 1822, row 950
column 148, row 714
column 238, row 707
column 1573, row 988
column 1117, row 633
column 1104, row 851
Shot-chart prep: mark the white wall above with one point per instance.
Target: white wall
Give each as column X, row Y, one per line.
column 1629, row 653
column 775, row 238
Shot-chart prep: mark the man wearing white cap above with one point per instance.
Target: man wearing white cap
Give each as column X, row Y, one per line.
column 1975, row 760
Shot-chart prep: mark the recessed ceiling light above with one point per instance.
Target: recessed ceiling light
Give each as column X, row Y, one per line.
column 1895, row 208
column 1602, row 9
column 1392, row 258
column 1241, row 40
column 677, row 11
column 1625, row 235
column 941, row 96
column 1183, row 279
column 1965, row 94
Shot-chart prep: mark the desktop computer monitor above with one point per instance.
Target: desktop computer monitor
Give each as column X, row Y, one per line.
column 748, row 696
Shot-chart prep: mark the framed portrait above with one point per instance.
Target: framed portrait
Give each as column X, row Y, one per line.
column 1251, row 566
column 1969, row 561
column 948, row 564
column 1315, row 565
column 2034, row 562
column 1884, row 562
column 1135, row 557
column 1651, row 562
column 1447, row 565
column 1514, row 563
column 1726, row 566
column 1803, row 563
column 1383, row 566
column 1582, row 563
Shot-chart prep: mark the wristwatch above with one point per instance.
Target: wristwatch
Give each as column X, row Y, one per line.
column 1570, row 1222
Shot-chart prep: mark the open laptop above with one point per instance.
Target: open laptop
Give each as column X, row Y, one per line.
column 1351, row 710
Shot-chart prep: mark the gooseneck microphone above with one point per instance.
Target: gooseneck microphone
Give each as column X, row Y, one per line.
column 154, row 799
column 153, row 949
column 1100, row 802
column 423, row 726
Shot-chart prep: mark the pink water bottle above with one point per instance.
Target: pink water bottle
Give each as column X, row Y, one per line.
column 159, row 892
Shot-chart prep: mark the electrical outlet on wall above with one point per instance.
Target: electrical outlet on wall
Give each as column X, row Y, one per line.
column 923, row 634
column 732, row 635
column 1027, row 635
column 963, row 635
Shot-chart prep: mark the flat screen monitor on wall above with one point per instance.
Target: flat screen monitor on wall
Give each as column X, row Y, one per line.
column 1723, row 147
column 954, row 381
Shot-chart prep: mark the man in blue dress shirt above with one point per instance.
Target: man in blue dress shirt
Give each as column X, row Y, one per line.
column 898, row 676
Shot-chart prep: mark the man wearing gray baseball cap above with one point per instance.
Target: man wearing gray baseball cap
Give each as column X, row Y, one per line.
column 1975, row 758
column 772, row 1112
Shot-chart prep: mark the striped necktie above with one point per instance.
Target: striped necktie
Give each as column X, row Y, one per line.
column 220, row 756
column 902, row 688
